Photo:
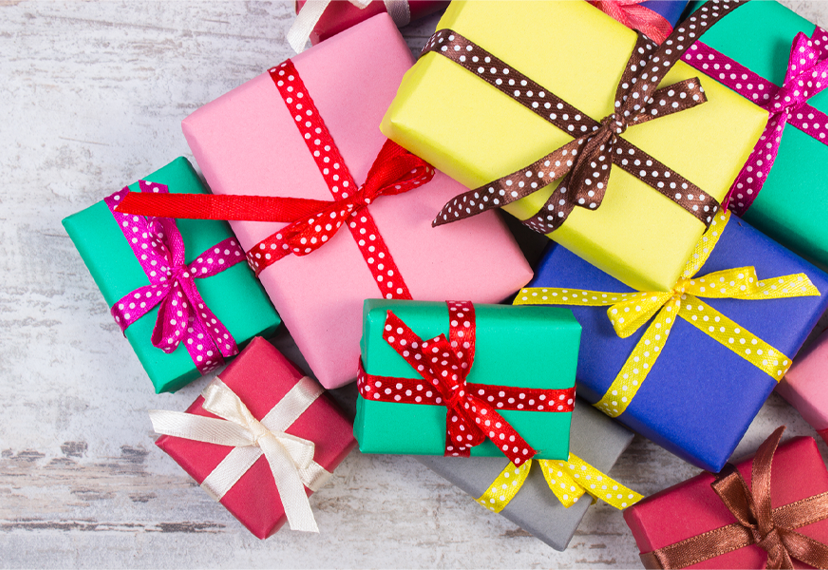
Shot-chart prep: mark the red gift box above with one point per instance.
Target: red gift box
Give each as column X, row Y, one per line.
column 692, row 508
column 260, row 376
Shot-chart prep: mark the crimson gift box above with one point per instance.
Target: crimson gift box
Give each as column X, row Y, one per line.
column 693, row 507
column 260, row 376
column 700, row 397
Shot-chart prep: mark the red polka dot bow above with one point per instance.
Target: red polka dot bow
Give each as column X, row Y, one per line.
column 183, row 316
column 444, row 363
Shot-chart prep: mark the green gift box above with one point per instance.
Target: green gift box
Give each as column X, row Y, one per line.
column 234, row 295
column 517, row 352
column 792, row 206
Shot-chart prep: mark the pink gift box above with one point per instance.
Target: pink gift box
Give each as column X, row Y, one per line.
column 805, row 385
column 247, row 143
column 341, row 15
column 260, row 376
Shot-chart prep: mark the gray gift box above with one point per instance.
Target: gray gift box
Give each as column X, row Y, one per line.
column 595, row 438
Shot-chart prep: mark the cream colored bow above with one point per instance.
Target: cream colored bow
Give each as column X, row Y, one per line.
column 290, row 457
column 310, row 13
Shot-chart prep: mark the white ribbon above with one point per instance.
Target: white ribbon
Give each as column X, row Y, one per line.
column 309, row 15
column 290, row 457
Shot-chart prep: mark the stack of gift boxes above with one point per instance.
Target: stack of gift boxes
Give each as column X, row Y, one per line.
column 353, row 195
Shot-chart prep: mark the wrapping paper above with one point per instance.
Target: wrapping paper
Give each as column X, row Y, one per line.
column 512, row 349
column 261, row 376
column 341, row 15
column 444, row 114
column 805, row 386
column 246, row 142
column 595, row 438
column 234, row 295
column 700, row 397
column 692, row 507
column 793, row 204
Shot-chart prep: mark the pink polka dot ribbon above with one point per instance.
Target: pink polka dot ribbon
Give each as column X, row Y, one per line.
column 806, row 76
column 443, row 363
column 640, row 18
column 183, row 316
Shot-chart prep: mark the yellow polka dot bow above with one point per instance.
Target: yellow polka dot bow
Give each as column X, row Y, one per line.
column 568, row 480
column 629, row 311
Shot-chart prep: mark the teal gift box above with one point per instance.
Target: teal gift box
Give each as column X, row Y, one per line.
column 233, row 295
column 523, row 367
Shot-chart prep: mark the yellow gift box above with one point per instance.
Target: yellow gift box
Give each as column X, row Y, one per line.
column 476, row 134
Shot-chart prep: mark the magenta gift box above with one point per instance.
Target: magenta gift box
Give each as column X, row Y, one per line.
column 805, row 386
column 246, row 142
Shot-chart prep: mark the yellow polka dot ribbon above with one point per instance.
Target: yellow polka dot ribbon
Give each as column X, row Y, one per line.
column 629, row 311
column 568, row 480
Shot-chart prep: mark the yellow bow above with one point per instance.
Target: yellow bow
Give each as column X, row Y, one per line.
column 568, row 480
column 629, row 311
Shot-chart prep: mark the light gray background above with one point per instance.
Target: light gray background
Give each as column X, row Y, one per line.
column 91, row 98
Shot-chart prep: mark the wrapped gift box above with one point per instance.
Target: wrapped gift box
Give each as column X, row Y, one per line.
column 339, row 15
column 693, row 507
column 699, row 397
column 234, row 295
column 799, row 169
column 595, row 438
column 805, row 386
column 261, row 377
column 535, row 348
column 471, row 131
column 247, row 142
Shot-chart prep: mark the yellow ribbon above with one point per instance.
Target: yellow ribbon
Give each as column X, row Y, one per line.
column 568, row 480
column 629, row 311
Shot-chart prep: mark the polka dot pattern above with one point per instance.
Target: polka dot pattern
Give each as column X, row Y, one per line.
column 806, row 76
column 505, row 487
column 350, row 201
column 182, row 314
column 630, row 311
column 443, row 363
column 569, row 480
column 585, row 163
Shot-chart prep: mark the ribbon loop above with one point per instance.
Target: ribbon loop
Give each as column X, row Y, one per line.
column 641, row 18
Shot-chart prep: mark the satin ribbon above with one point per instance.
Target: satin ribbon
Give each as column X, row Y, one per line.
column 290, row 458
column 757, row 522
column 444, row 363
column 307, row 18
column 630, row 311
column 640, row 18
column 584, row 164
column 312, row 223
column 806, row 76
column 183, row 316
column 568, row 480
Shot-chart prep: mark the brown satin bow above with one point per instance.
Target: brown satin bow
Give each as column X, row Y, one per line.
column 759, row 524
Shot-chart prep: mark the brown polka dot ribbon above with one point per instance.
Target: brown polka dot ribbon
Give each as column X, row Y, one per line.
column 311, row 222
column 444, row 364
column 757, row 522
column 584, row 164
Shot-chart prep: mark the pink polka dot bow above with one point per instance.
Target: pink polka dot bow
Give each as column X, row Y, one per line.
column 633, row 15
column 183, row 316
column 806, row 76
column 444, row 363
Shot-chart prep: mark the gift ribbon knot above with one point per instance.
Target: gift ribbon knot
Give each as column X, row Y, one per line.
column 444, row 364
column 630, row 311
column 289, row 457
column 773, row 530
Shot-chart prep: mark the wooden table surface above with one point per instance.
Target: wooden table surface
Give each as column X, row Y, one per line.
column 91, row 98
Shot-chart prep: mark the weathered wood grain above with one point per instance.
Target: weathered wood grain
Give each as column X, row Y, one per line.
column 91, row 98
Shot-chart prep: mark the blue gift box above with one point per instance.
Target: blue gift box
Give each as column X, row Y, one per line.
column 699, row 397
column 671, row 10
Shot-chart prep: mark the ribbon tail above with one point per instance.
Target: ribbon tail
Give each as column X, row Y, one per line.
column 805, row 549
column 289, row 486
column 302, row 27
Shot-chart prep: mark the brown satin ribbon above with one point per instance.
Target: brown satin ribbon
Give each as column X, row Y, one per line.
column 770, row 529
column 585, row 163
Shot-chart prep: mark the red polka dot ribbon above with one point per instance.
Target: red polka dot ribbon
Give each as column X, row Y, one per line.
column 311, row 223
column 443, row 363
column 640, row 18
column 183, row 316
column 806, row 76
column 584, row 164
